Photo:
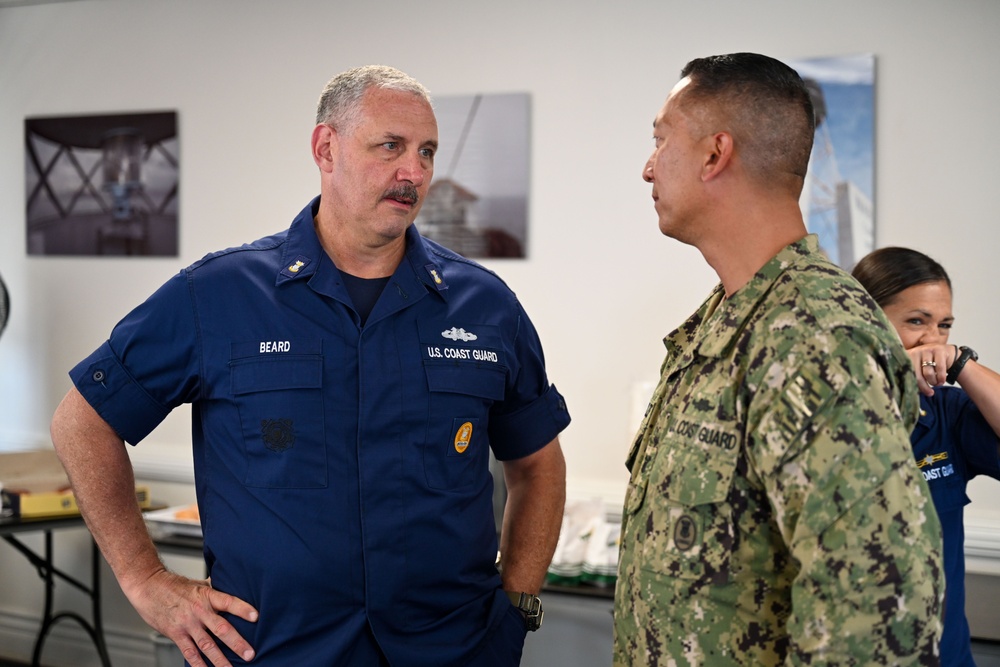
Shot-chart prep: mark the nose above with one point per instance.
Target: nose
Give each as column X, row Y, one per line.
column 647, row 171
column 933, row 336
column 414, row 169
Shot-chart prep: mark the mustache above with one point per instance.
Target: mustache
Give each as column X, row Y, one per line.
column 406, row 192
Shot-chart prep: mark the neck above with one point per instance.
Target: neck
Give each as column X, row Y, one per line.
column 363, row 258
column 750, row 243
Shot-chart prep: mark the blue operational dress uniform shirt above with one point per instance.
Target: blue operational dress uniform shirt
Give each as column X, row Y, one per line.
column 952, row 444
column 342, row 471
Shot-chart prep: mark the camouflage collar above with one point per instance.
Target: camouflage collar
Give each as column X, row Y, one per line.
column 727, row 319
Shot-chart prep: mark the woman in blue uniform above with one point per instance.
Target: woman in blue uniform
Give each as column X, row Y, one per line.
column 958, row 434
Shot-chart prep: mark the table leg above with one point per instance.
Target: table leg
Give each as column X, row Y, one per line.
column 48, row 572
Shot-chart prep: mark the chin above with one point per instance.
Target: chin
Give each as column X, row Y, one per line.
column 679, row 234
column 393, row 229
column 667, row 229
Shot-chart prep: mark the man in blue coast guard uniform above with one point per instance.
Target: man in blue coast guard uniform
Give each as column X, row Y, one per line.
column 348, row 379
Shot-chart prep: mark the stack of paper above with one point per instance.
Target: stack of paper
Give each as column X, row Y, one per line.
column 34, row 483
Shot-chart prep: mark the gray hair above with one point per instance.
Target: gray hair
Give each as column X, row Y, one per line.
column 340, row 103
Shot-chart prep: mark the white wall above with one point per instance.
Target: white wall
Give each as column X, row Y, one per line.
column 601, row 284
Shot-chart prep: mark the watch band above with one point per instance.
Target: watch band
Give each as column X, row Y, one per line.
column 529, row 605
column 966, row 353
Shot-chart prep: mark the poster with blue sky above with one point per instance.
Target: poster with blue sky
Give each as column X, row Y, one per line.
column 838, row 199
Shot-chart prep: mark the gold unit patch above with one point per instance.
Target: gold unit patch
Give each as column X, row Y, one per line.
column 463, row 437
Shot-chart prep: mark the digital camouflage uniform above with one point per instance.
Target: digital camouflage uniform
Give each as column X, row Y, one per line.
column 775, row 514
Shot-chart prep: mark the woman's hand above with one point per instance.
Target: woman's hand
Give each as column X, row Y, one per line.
column 982, row 384
column 931, row 363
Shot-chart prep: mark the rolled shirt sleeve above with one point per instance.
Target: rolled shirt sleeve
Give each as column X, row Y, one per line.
column 147, row 367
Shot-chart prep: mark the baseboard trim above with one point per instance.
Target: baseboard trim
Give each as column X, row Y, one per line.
column 982, row 545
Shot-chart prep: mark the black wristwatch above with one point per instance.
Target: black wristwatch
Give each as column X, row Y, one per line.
column 965, row 353
column 530, row 606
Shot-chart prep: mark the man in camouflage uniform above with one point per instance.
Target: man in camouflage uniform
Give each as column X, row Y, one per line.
column 774, row 513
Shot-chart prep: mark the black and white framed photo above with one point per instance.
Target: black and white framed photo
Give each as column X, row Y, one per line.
column 102, row 184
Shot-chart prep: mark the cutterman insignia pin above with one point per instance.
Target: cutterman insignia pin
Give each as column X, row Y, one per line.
column 294, row 268
column 463, row 437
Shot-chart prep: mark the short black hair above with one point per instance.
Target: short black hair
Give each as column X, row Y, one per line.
column 767, row 105
column 888, row 271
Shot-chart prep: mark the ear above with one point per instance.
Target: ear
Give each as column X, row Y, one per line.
column 324, row 139
column 718, row 156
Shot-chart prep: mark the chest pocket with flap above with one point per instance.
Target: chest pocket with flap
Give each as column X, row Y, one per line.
column 683, row 500
column 280, row 400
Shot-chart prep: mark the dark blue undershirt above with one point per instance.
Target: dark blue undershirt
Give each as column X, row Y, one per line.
column 364, row 293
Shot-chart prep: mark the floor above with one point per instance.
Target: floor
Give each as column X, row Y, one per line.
column 987, row 654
